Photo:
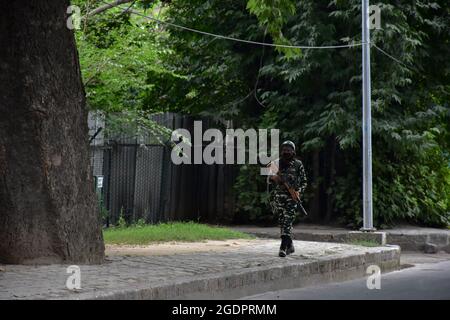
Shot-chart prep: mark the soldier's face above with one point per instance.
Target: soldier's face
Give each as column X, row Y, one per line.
column 287, row 152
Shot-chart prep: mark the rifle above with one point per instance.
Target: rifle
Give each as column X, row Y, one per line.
column 294, row 194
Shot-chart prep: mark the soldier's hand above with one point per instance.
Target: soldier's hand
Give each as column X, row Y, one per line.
column 276, row 179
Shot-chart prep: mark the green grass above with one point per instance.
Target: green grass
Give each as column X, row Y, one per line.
column 364, row 243
column 174, row 231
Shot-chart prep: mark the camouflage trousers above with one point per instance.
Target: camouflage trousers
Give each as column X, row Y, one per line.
column 285, row 209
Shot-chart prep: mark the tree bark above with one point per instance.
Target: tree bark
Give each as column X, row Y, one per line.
column 48, row 209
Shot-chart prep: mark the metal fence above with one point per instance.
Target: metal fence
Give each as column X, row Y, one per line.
column 138, row 180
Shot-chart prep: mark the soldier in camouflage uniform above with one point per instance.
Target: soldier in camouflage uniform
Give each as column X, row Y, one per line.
column 286, row 171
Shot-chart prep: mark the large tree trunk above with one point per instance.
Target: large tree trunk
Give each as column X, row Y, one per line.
column 48, row 210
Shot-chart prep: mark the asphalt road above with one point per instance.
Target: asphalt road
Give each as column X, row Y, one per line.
column 423, row 277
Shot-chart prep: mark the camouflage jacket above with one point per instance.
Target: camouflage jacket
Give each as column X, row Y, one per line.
column 294, row 174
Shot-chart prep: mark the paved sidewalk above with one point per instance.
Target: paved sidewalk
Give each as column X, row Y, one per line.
column 234, row 273
column 409, row 238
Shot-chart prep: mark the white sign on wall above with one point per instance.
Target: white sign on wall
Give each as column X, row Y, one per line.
column 99, row 182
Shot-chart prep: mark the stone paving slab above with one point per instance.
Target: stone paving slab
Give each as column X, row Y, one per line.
column 202, row 275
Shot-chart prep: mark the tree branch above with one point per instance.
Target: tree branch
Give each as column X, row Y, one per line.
column 108, row 6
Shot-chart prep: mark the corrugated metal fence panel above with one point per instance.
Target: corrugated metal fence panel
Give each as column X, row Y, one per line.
column 106, row 184
column 122, row 181
column 141, row 179
column 199, row 192
column 148, row 182
column 166, row 186
column 97, row 161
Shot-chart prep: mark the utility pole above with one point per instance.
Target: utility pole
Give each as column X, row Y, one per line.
column 367, row 122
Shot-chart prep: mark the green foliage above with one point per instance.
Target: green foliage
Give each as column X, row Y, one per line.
column 136, row 124
column 274, row 14
column 140, row 223
column 218, row 86
column 122, row 64
column 172, row 231
column 133, row 68
column 315, row 99
column 121, row 223
column 252, row 195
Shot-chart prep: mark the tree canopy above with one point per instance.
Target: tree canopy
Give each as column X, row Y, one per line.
column 312, row 95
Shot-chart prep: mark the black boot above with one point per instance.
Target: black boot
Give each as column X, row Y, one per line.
column 283, row 247
column 290, row 246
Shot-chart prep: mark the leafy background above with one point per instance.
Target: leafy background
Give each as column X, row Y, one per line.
column 137, row 67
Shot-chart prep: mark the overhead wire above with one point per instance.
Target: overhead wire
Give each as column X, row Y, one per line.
column 264, row 44
column 255, row 90
column 351, row 45
column 128, row 9
column 390, row 56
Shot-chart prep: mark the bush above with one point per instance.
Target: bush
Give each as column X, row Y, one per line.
column 121, row 223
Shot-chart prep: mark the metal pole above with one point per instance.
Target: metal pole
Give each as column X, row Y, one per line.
column 367, row 122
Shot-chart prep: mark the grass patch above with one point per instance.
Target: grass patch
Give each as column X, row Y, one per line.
column 173, row 231
column 364, row 243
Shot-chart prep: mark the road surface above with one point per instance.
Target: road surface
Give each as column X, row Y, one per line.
column 422, row 277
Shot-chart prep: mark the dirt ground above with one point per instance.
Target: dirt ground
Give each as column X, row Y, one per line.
column 170, row 248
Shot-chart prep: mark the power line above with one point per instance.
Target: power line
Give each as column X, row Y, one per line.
column 256, row 42
column 129, row 7
column 391, row 57
column 237, row 39
column 255, row 90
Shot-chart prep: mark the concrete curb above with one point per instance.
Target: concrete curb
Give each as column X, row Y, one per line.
column 295, row 274
column 407, row 239
column 421, row 242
